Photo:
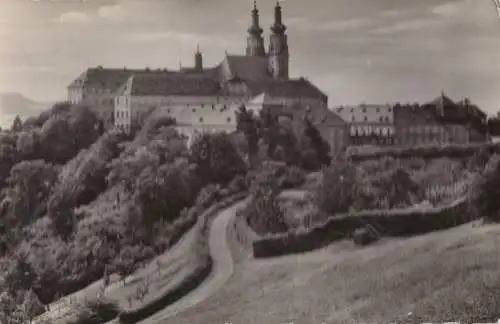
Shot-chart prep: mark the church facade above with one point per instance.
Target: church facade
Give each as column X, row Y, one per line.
column 201, row 98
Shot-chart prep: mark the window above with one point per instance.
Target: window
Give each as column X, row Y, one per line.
column 378, row 109
column 381, row 118
column 202, row 106
column 201, row 119
column 213, row 107
column 364, row 109
column 194, row 109
column 353, row 119
column 366, row 118
column 228, row 119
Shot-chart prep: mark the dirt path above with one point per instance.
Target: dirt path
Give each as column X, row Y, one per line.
column 222, row 268
column 223, row 263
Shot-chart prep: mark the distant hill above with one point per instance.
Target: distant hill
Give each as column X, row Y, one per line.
column 13, row 103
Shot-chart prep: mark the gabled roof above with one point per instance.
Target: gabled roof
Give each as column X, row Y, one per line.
column 286, row 88
column 250, row 68
column 111, row 79
column 260, row 100
column 443, row 101
column 169, row 84
column 317, row 115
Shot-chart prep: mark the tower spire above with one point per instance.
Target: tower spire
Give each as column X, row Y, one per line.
column 278, row 27
column 198, row 59
column 255, row 42
column 278, row 46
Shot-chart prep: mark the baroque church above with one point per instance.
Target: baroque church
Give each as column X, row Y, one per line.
column 203, row 98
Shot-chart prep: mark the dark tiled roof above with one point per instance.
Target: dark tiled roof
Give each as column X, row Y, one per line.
column 421, row 115
column 317, row 115
column 111, row 79
column 171, row 84
column 286, row 88
column 250, row 68
column 443, row 101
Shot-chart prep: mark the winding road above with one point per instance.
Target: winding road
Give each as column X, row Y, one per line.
column 222, row 268
column 223, row 264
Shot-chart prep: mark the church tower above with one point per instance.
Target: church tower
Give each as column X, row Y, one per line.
column 278, row 47
column 198, row 60
column 255, row 42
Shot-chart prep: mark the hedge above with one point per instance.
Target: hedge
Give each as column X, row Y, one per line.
column 199, row 274
column 244, row 233
column 401, row 222
column 435, row 151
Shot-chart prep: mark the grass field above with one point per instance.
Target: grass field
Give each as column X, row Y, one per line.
column 442, row 276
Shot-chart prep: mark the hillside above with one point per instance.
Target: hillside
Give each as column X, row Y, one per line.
column 440, row 277
column 12, row 104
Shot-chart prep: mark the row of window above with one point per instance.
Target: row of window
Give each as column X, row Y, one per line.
column 381, row 118
column 363, row 109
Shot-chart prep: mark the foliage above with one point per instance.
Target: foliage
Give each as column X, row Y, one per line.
column 485, row 190
column 29, row 184
column 338, row 189
column 17, row 124
column 248, row 124
column 319, row 155
column 96, row 312
column 216, row 158
column 264, row 213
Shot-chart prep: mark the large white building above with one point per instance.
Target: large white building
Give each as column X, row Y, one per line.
column 200, row 98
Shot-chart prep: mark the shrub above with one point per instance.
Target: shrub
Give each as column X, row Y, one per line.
column 484, row 192
column 264, row 213
column 338, row 189
column 96, row 312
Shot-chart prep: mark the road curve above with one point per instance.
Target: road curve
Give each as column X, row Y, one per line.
column 223, row 264
column 222, row 268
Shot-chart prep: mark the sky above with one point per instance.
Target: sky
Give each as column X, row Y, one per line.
column 371, row 51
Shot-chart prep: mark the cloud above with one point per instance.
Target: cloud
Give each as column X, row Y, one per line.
column 115, row 13
column 74, row 17
column 182, row 37
column 409, row 25
column 306, row 24
column 447, row 9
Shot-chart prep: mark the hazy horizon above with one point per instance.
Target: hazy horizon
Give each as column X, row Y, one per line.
column 355, row 50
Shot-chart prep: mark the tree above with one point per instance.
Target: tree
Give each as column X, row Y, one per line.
column 264, row 213
column 20, row 277
column 248, row 124
column 28, row 145
column 17, row 124
column 57, row 141
column 338, row 189
column 216, row 158
column 317, row 142
column 83, row 123
column 29, row 185
column 162, row 193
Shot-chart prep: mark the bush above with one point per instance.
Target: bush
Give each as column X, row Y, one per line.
column 264, row 213
column 96, row 312
column 484, row 192
column 404, row 222
column 338, row 189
